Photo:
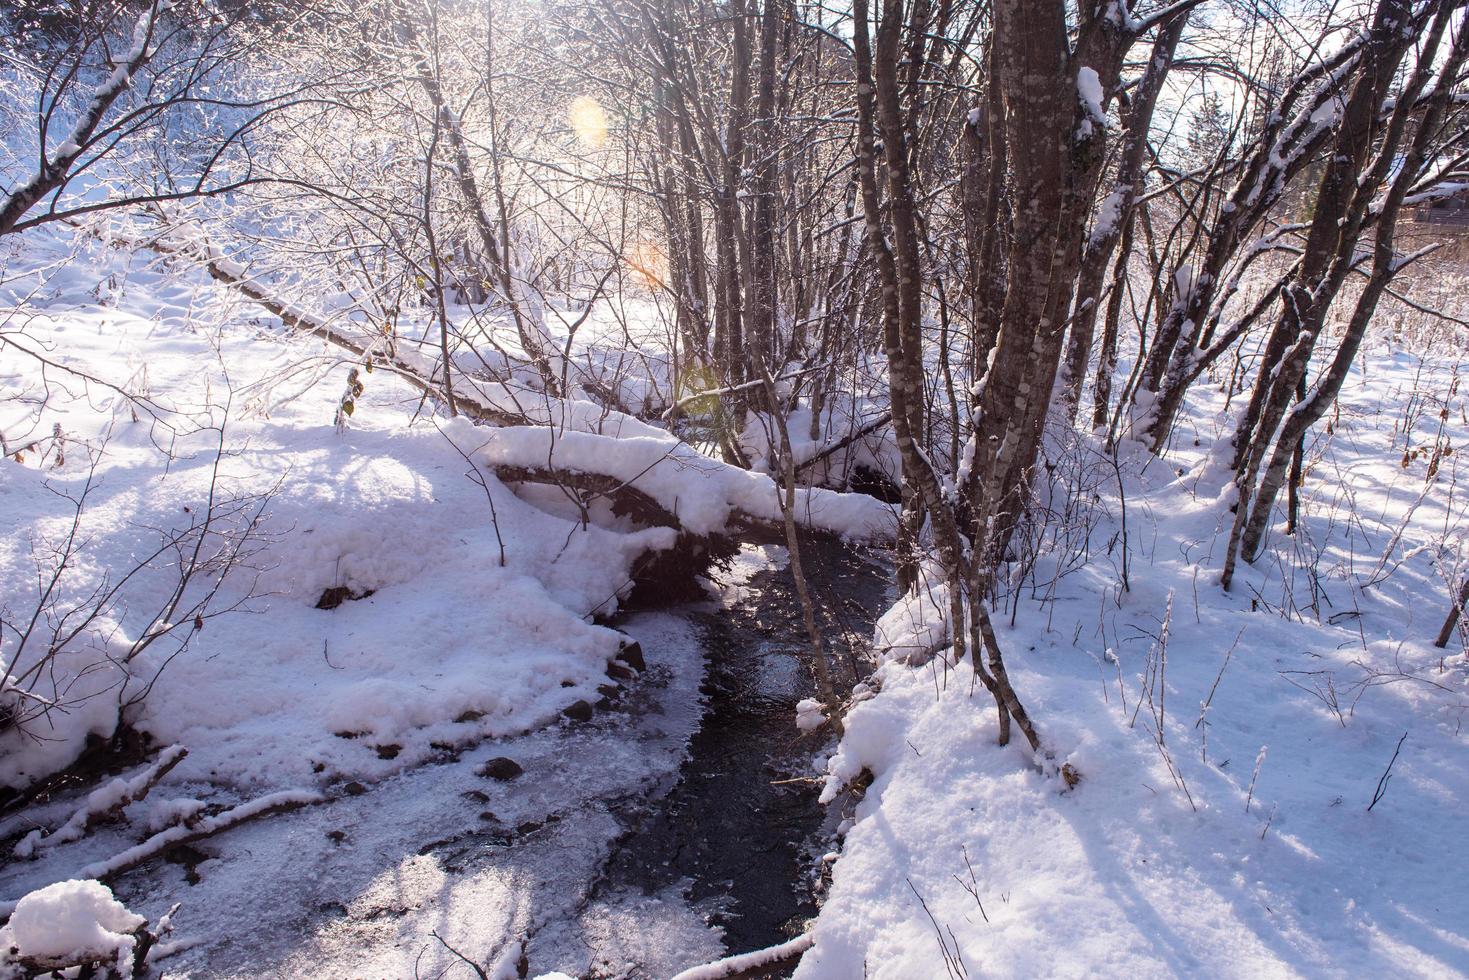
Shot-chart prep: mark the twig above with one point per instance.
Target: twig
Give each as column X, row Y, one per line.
column 478, row 970
column 1259, row 761
column 953, row 964
column 1381, row 790
column 973, row 886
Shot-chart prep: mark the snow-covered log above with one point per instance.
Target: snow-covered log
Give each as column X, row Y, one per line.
column 674, row 484
column 733, row 966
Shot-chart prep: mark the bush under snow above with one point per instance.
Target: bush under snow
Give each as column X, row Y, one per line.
column 70, row 923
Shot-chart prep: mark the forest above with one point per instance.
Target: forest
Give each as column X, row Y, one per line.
column 733, row 488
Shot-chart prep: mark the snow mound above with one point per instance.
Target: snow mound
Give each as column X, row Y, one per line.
column 73, row 922
column 810, row 715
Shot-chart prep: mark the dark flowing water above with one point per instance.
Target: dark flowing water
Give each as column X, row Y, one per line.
column 739, row 838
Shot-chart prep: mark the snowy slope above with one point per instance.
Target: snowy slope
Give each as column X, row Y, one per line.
column 1323, row 659
column 262, row 694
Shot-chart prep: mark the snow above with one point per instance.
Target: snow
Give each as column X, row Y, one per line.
column 914, row 625
column 1280, row 706
column 450, row 648
column 1089, row 87
column 72, row 921
column 1089, row 90
column 1109, row 214
column 810, row 715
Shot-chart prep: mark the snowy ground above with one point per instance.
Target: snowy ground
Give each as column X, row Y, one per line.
column 268, row 694
column 1323, row 659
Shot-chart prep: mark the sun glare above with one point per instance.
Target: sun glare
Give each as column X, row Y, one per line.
column 588, row 121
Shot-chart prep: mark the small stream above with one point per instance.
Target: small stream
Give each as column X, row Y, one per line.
column 742, row 843
column 652, row 837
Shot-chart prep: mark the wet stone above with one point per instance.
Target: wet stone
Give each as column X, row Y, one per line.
column 632, row 655
column 578, row 711
column 502, row 769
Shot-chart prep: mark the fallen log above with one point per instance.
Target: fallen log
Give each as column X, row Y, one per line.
column 669, row 483
column 659, row 576
column 626, row 500
column 225, row 270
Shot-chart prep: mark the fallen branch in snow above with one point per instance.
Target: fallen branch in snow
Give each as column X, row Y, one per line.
column 232, row 275
column 187, row 833
column 103, row 804
column 836, row 447
column 225, row 270
column 732, row 966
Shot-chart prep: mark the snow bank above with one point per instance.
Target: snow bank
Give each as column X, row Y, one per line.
column 917, row 624
column 468, row 611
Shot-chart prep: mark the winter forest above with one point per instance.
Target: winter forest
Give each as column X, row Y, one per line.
column 733, row 488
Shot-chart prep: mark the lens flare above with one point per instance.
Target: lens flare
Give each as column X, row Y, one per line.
column 588, row 121
column 648, row 263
